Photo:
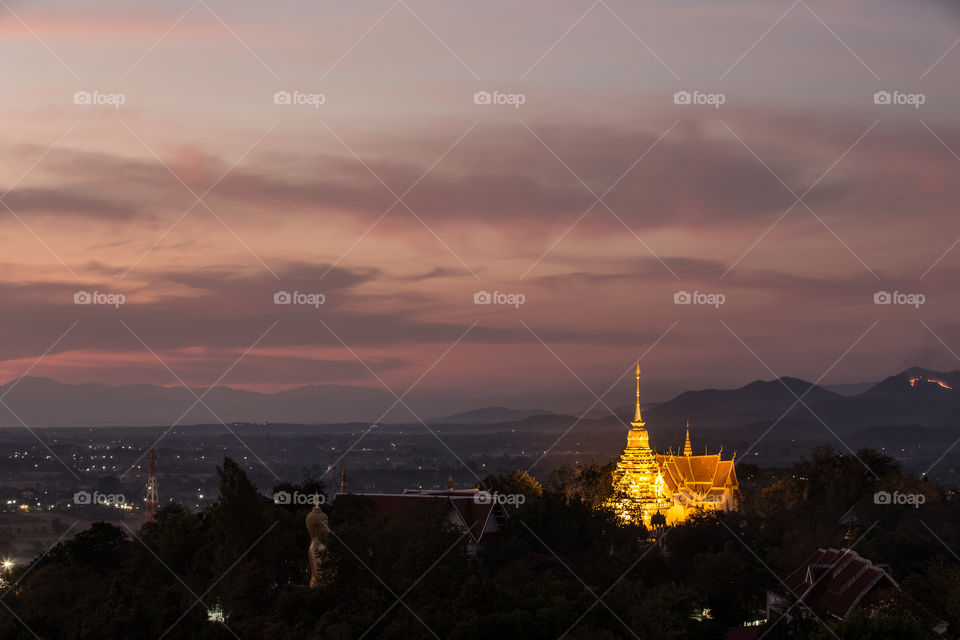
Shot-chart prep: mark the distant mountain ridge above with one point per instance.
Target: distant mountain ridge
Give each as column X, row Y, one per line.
column 849, row 388
column 915, row 396
column 47, row 402
column 752, row 402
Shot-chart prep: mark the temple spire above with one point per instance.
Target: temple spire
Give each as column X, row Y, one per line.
column 637, row 418
column 687, row 449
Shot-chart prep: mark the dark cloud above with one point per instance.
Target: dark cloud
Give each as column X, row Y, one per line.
column 436, row 272
column 68, row 202
column 697, row 176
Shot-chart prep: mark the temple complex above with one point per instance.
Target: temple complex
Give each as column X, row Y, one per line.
column 661, row 489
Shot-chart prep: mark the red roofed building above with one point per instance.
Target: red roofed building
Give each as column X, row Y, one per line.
column 841, row 582
column 838, row 581
column 479, row 514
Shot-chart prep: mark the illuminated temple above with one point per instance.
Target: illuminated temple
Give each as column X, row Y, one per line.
column 663, row 489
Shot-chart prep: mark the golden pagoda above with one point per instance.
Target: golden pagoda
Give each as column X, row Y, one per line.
column 646, row 483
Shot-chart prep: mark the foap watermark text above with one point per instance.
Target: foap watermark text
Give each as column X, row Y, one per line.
column 697, row 97
column 297, row 297
column 98, row 98
column 512, row 499
column 314, row 100
column 86, row 497
column 699, row 297
column 99, row 297
column 497, row 98
column 898, row 297
column 897, row 498
column 297, row 498
column 499, row 297
column 900, row 98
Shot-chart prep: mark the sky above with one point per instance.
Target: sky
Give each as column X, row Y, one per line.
column 169, row 170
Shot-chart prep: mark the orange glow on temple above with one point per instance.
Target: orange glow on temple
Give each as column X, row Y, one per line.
column 669, row 486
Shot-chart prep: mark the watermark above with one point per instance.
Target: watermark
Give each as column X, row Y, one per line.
column 297, row 297
column 115, row 100
column 897, row 297
column 297, row 498
column 99, row 297
column 511, row 99
column 499, row 297
column 717, row 499
column 900, row 98
column 699, row 297
column 710, row 99
column 299, row 98
column 86, row 497
column 913, row 499
column 512, row 499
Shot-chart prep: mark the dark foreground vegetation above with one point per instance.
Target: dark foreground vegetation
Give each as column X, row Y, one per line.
column 562, row 568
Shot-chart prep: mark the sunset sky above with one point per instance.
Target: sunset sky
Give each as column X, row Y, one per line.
column 398, row 198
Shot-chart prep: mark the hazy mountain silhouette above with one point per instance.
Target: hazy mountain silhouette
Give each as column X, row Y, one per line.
column 916, row 383
column 46, row 402
column 913, row 397
column 893, row 401
column 759, row 400
column 849, row 388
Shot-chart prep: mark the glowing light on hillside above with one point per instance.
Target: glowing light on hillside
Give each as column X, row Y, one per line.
column 913, row 382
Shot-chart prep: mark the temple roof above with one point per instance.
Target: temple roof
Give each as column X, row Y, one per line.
column 701, row 473
column 839, row 580
column 472, row 514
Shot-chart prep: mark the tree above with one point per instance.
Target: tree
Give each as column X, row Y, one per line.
column 879, row 625
column 515, row 483
column 591, row 484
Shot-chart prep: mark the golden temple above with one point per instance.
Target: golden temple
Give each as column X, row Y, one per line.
column 663, row 489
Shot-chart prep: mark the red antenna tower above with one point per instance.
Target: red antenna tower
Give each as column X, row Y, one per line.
column 153, row 499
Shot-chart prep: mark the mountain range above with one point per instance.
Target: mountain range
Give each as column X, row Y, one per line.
column 915, row 396
column 912, row 397
column 47, row 402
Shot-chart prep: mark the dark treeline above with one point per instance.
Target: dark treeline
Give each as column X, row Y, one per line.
column 563, row 567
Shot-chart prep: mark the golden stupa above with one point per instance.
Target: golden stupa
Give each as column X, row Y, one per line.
column 663, row 489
